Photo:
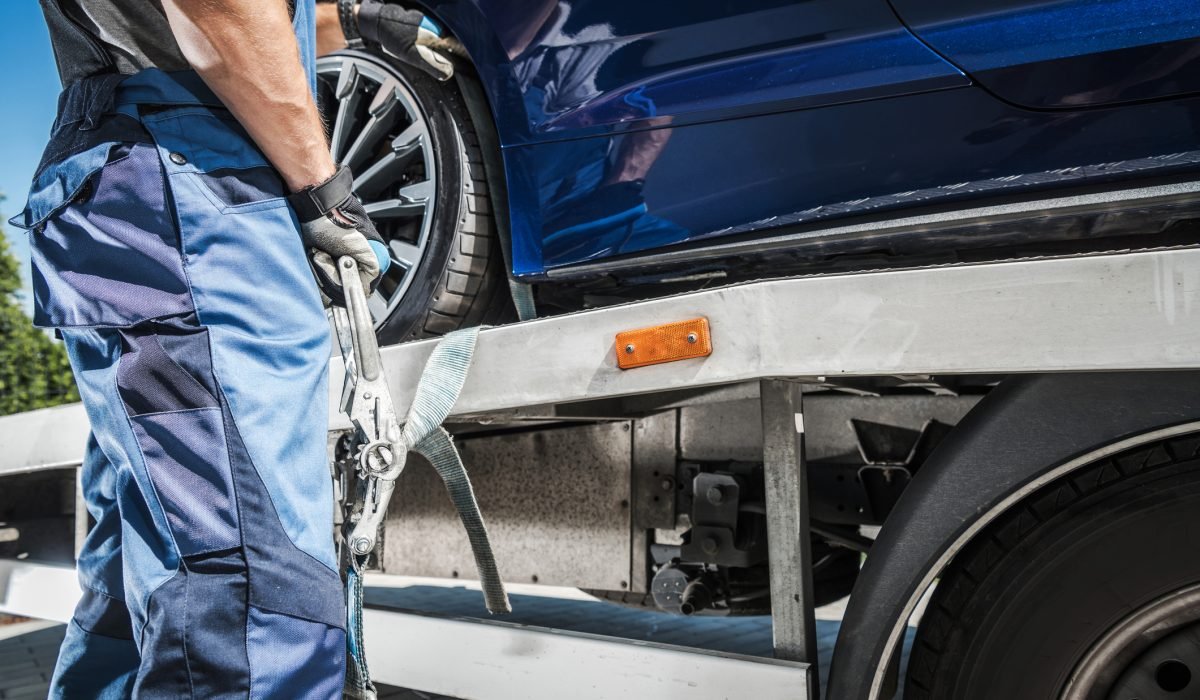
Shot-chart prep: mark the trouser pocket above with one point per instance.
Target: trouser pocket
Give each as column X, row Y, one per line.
column 109, row 256
column 166, row 383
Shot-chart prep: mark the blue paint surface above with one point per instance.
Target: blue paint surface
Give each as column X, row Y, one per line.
column 630, row 126
column 558, row 70
column 1066, row 53
column 989, row 34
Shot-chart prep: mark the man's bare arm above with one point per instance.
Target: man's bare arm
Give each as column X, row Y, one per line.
column 246, row 52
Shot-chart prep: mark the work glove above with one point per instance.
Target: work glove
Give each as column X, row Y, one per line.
column 333, row 224
column 409, row 36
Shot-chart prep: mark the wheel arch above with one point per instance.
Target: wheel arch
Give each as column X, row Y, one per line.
column 494, row 102
column 1027, row 432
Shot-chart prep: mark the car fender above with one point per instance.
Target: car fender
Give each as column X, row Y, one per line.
column 465, row 21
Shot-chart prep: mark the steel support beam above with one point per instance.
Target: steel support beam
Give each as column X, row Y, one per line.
column 1128, row 311
column 789, row 549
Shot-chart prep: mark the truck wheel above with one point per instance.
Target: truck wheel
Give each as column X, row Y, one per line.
column 419, row 170
column 1090, row 588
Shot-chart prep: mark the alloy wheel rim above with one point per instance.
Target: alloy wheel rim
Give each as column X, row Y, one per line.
column 378, row 129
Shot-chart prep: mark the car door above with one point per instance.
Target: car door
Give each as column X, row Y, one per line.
column 629, row 125
column 1066, row 54
column 588, row 67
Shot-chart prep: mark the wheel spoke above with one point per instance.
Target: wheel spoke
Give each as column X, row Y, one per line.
column 348, row 96
column 378, row 128
column 404, row 254
column 385, row 108
column 417, row 192
column 395, row 209
column 405, row 148
column 377, row 304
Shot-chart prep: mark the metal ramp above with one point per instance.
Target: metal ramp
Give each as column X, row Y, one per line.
column 471, row 658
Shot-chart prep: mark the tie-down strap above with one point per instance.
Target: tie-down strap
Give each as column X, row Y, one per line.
column 437, row 391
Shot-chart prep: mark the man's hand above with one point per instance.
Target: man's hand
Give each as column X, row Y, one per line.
column 409, row 36
column 333, row 224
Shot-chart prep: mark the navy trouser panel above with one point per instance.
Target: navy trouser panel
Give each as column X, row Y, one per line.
column 174, row 271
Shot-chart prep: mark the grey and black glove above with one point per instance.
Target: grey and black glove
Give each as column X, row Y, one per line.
column 333, row 223
column 409, row 36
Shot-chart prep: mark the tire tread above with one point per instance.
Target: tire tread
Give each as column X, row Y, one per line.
column 945, row 615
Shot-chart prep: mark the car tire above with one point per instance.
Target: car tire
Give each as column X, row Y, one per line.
column 459, row 279
column 1041, row 591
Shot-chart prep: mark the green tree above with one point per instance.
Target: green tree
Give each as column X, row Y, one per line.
column 34, row 372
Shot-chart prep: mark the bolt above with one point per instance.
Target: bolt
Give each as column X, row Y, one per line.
column 667, row 484
column 629, row 349
column 361, row 545
column 710, row 545
column 178, row 159
column 366, row 394
column 691, row 338
column 715, row 495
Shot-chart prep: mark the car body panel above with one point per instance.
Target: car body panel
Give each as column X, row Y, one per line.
column 742, row 122
column 1066, row 54
column 589, row 67
column 797, row 167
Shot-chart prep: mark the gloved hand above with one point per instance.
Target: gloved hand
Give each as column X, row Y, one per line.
column 333, row 223
column 409, row 36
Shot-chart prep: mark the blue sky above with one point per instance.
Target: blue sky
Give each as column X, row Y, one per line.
column 29, row 84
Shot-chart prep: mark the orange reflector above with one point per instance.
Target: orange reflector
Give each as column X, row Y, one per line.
column 669, row 342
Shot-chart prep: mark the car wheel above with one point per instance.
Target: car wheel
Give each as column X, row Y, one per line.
column 419, row 171
column 1087, row 590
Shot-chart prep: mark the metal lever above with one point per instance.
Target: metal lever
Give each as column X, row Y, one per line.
column 367, row 401
column 362, row 327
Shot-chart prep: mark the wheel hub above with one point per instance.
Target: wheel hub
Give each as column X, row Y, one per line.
column 1152, row 654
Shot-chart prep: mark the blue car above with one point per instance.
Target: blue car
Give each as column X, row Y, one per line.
column 611, row 150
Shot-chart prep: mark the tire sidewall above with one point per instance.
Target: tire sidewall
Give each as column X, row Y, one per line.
column 1033, row 616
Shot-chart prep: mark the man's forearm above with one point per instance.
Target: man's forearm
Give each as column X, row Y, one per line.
column 246, row 52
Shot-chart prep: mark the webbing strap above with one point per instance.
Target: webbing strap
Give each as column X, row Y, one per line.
column 437, row 391
column 440, row 384
column 358, row 685
column 439, row 449
column 522, row 296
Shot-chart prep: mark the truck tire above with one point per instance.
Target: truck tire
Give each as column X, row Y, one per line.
column 1087, row 589
column 448, row 269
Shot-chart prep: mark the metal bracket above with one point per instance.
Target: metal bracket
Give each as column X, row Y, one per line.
column 793, row 623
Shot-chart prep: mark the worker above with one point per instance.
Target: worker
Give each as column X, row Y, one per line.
column 184, row 206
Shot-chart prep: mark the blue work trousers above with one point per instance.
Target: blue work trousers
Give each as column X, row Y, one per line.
column 166, row 255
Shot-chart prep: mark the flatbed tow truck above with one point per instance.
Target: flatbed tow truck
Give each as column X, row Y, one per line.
column 793, row 425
